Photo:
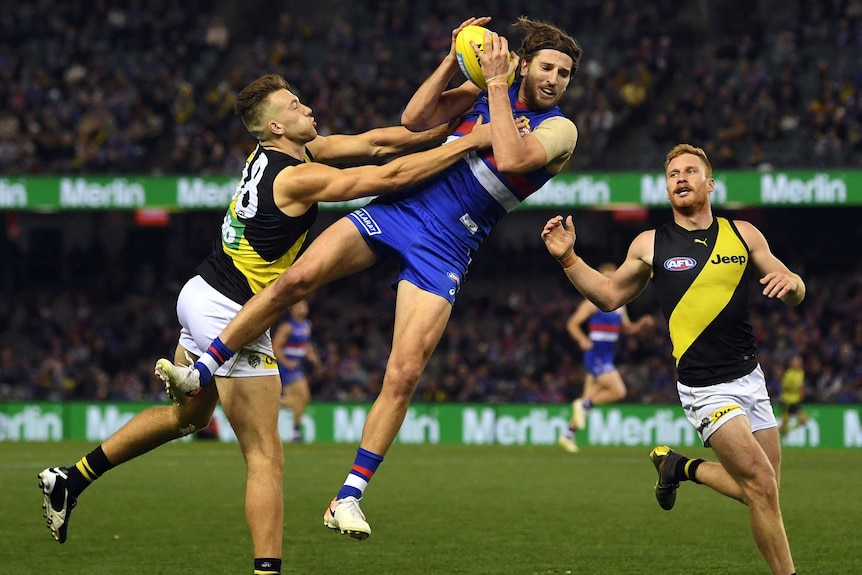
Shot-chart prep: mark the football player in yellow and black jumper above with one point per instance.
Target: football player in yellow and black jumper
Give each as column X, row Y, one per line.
column 700, row 265
column 792, row 394
column 264, row 228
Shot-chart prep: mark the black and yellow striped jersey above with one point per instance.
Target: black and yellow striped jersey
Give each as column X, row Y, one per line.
column 258, row 241
column 702, row 283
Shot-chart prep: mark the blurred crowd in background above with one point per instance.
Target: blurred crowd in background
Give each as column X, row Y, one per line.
column 93, row 330
column 112, row 86
column 119, row 87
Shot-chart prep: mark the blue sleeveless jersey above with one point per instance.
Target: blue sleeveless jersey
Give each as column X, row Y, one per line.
column 604, row 329
column 300, row 335
column 296, row 349
column 471, row 196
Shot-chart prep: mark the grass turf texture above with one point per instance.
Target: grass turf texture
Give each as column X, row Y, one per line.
column 433, row 509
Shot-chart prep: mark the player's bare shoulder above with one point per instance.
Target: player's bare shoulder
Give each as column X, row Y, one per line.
column 643, row 247
column 752, row 236
column 296, row 188
column 558, row 137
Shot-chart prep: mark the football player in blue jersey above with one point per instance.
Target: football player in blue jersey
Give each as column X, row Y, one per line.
column 431, row 229
column 291, row 343
column 603, row 383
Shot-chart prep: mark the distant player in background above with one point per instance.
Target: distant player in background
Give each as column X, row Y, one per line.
column 603, row 383
column 792, row 394
column 292, row 345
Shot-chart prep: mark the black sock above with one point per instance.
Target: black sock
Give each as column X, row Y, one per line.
column 88, row 469
column 691, row 469
column 686, row 468
column 267, row 566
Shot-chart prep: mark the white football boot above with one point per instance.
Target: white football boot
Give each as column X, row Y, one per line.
column 58, row 503
column 579, row 414
column 568, row 444
column 345, row 516
column 181, row 381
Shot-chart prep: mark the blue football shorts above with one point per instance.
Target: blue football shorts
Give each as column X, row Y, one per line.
column 289, row 376
column 597, row 364
column 428, row 255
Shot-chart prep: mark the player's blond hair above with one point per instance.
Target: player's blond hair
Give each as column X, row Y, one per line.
column 682, row 149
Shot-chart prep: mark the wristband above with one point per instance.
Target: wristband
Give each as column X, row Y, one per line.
column 497, row 77
column 489, row 84
column 568, row 260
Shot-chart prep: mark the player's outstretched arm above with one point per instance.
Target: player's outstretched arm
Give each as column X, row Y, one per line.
column 777, row 280
column 432, row 104
column 374, row 144
column 607, row 294
column 312, row 182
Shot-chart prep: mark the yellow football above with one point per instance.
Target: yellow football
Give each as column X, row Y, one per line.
column 467, row 59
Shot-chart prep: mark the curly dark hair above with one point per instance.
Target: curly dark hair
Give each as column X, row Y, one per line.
column 546, row 36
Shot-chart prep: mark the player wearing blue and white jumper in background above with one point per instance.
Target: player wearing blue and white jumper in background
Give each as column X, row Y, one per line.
column 431, row 229
column 291, row 342
column 603, row 383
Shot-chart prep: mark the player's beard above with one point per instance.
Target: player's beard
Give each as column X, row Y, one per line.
column 534, row 98
column 692, row 207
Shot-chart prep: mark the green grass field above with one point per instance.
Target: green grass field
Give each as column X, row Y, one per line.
column 433, row 509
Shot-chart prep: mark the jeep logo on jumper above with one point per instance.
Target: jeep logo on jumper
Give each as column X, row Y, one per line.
column 679, row 264
column 720, row 259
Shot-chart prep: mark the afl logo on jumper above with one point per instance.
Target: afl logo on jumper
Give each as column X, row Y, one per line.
column 679, row 264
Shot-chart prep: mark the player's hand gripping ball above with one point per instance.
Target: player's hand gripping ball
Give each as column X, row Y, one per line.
column 467, row 59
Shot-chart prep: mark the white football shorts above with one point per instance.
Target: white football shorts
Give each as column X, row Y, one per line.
column 708, row 408
column 203, row 313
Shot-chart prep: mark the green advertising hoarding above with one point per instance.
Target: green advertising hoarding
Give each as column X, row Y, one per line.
column 568, row 190
column 445, row 423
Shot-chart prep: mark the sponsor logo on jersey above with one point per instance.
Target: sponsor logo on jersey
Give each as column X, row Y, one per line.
column 679, row 264
column 720, row 259
column 256, row 359
column 366, row 221
column 716, row 415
